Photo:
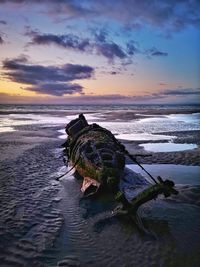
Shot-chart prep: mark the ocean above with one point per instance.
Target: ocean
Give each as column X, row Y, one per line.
column 47, row 223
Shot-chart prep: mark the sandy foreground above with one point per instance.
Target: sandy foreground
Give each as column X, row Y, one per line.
column 43, row 222
column 29, row 218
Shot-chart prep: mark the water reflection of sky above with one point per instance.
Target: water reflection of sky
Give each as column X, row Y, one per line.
column 145, row 128
column 187, row 118
column 180, row 174
column 142, row 129
column 167, row 147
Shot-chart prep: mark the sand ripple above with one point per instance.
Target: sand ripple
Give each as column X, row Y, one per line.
column 44, row 223
column 30, row 221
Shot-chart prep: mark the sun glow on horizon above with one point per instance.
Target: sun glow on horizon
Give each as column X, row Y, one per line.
column 147, row 57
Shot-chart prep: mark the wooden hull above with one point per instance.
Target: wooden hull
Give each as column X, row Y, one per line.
column 96, row 155
column 100, row 159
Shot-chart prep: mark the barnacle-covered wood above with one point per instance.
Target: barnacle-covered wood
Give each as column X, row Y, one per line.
column 96, row 153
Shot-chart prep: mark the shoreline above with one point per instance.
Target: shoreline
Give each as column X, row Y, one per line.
column 109, row 114
column 30, row 136
column 185, row 157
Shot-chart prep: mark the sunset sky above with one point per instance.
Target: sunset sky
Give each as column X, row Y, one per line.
column 99, row 51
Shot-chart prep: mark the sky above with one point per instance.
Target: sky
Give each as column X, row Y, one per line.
column 101, row 52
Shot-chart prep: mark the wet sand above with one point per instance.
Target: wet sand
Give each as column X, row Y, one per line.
column 44, row 223
column 124, row 115
column 30, row 220
column 186, row 157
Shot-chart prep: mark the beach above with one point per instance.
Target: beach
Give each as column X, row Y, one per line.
column 44, row 222
column 187, row 157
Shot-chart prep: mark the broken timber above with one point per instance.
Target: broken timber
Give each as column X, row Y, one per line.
column 100, row 159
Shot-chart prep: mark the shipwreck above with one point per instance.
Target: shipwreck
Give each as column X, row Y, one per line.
column 99, row 158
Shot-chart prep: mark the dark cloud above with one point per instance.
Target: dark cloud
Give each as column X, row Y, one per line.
column 100, row 35
column 104, row 99
column 110, row 50
column 155, row 52
column 132, row 48
column 70, row 41
column 56, row 89
column 71, row 9
column 51, row 79
column 113, row 72
column 98, row 99
column 1, row 40
column 106, row 48
column 3, row 22
column 162, row 84
column 182, row 91
column 166, row 96
column 184, row 95
column 192, row 95
column 100, row 45
column 19, row 70
column 117, row 98
column 166, row 15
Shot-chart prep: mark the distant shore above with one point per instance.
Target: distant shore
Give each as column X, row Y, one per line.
column 120, row 114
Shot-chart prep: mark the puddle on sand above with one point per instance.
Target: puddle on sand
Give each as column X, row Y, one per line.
column 180, row 174
column 167, row 147
column 144, row 137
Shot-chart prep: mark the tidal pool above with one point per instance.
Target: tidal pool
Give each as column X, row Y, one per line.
column 180, row 174
column 167, row 147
